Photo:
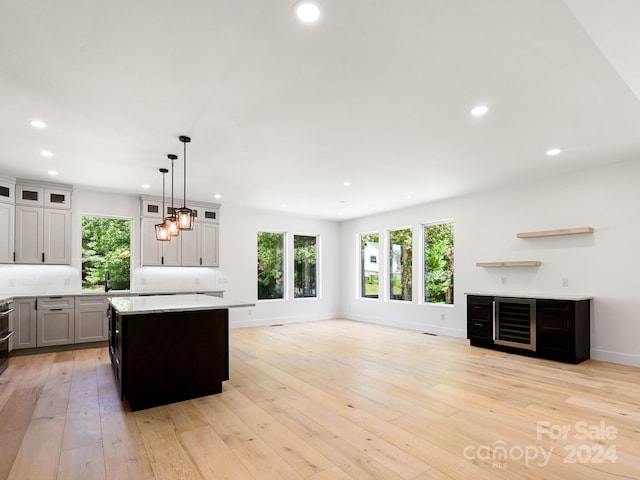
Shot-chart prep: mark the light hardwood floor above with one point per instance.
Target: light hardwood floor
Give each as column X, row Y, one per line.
column 331, row 400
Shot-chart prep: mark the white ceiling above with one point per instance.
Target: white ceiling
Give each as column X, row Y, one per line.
column 376, row 92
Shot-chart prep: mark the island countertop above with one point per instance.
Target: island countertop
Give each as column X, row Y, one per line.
column 173, row 303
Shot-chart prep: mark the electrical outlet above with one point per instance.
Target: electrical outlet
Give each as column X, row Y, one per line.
column 197, row 281
column 143, row 281
column 12, row 282
column 565, row 282
column 442, row 317
column 67, row 282
column 250, row 312
column 503, row 280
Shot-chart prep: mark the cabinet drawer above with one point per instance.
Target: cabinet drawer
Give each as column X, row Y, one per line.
column 555, row 307
column 480, row 329
column 91, row 301
column 47, row 303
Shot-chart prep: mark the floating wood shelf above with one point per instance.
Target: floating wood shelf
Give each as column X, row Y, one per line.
column 553, row 233
column 523, row 263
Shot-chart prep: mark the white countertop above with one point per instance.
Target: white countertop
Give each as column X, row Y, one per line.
column 541, row 296
column 110, row 293
column 173, row 303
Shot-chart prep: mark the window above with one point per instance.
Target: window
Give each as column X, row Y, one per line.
column 106, row 246
column 270, row 265
column 438, row 263
column 369, row 271
column 304, row 266
column 400, row 263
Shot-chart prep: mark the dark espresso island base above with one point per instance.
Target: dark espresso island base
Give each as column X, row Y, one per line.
column 167, row 355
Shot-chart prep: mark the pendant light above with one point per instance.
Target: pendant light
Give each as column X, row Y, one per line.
column 185, row 215
column 171, row 221
column 162, row 233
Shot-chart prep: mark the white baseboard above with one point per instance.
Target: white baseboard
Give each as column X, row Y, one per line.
column 615, row 357
column 421, row 327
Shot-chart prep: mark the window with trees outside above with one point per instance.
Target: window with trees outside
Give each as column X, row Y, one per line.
column 106, row 246
column 305, row 249
column 369, row 270
column 400, row 264
column 270, row 265
column 438, row 263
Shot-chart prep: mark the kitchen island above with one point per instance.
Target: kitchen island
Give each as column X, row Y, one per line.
column 169, row 348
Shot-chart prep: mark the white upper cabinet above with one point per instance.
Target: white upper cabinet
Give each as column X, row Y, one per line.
column 192, row 248
column 57, row 198
column 7, row 190
column 42, row 223
column 7, row 224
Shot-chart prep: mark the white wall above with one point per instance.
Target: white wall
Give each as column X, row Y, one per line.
column 236, row 275
column 238, row 266
column 604, row 264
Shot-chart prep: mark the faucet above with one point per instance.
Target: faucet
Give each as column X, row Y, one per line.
column 107, row 287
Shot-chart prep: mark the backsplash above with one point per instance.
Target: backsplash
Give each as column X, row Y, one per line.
column 62, row 279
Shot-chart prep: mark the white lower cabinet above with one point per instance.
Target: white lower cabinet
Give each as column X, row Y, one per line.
column 91, row 324
column 24, row 323
column 55, row 321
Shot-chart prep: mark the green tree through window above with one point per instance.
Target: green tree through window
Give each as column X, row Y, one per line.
column 400, row 264
column 106, row 245
column 438, row 263
column 270, row 265
column 304, row 272
column 369, row 269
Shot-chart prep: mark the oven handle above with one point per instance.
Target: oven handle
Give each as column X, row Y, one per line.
column 6, row 312
column 7, row 337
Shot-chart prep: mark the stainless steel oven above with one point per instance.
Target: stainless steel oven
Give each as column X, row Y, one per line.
column 6, row 307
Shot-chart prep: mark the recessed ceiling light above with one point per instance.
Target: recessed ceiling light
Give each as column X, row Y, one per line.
column 37, row 124
column 52, row 172
column 146, row 185
column 46, row 153
column 347, row 184
column 284, row 205
column 307, row 12
column 218, row 196
column 479, row 110
column 553, row 152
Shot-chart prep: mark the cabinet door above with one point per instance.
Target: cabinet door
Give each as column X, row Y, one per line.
column 57, row 236
column 27, row 195
column 555, row 323
column 7, row 224
column 171, row 251
column 7, row 190
column 151, row 248
column 24, row 322
column 191, row 246
column 55, row 327
column 56, row 198
column 29, row 243
column 210, row 232
column 91, row 323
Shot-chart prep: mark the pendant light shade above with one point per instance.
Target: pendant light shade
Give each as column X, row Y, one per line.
column 171, row 221
column 162, row 232
column 185, row 215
